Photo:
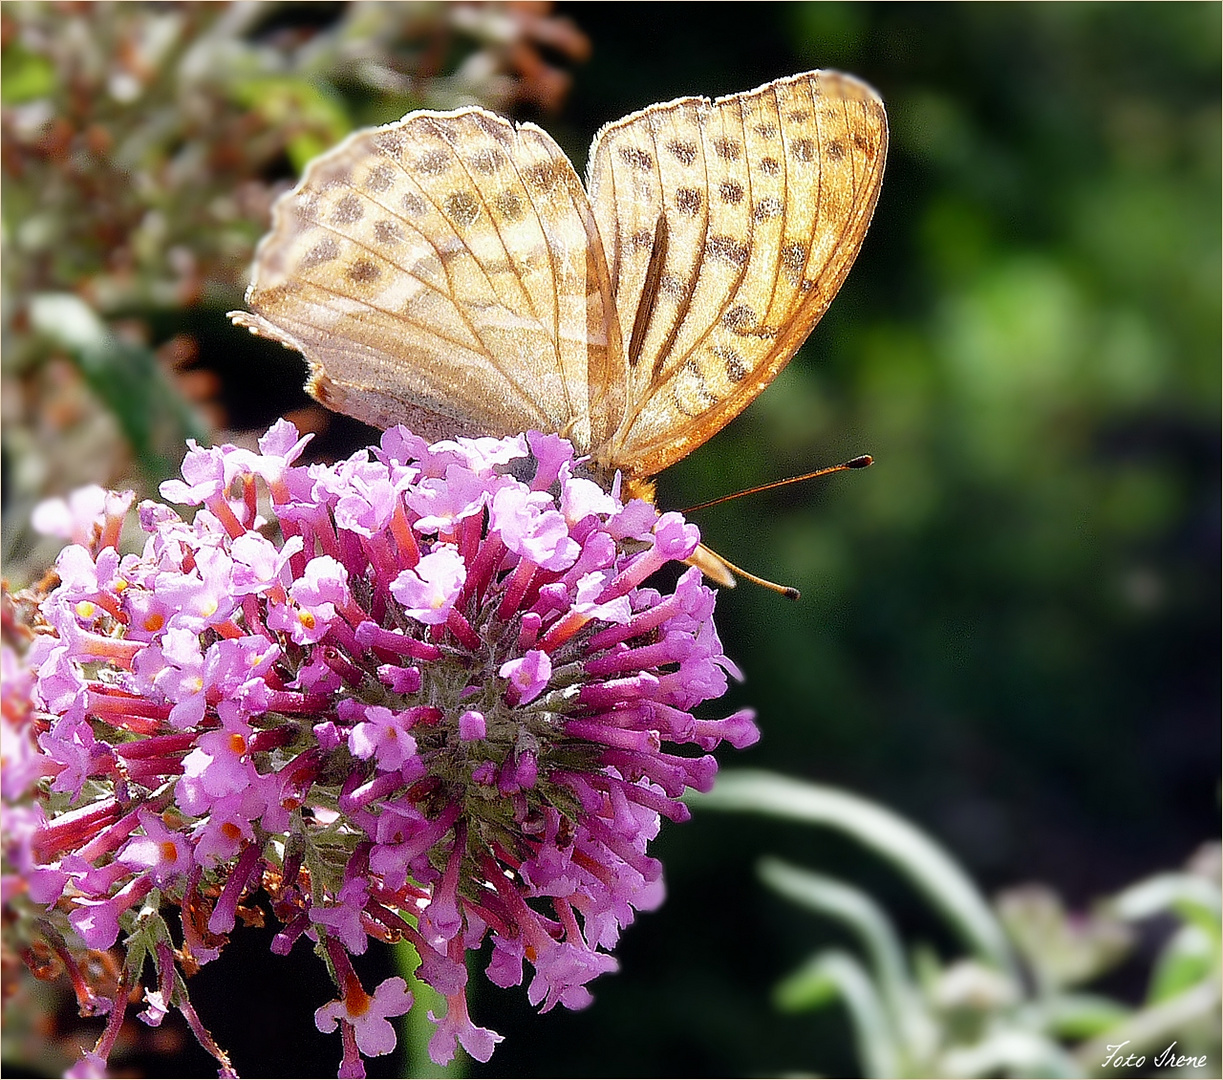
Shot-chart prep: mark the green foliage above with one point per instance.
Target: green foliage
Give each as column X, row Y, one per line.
column 415, row 1025
column 126, row 379
column 315, row 113
column 983, row 1014
column 25, row 76
column 925, row 863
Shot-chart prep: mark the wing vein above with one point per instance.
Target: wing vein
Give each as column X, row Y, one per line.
column 430, row 333
column 781, row 234
column 733, row 291
column 460, row 308
column 555, row 339
column 556, row 278
column 488, row 353
column 684, row 306
column 493, row 219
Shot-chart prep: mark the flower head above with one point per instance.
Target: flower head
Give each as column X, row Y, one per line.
column 442, row 706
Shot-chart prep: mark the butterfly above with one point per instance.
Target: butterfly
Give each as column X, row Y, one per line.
column 451, row 272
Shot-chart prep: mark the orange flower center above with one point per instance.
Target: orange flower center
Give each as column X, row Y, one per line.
column 356, row 1000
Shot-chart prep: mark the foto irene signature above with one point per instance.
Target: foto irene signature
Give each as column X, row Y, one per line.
column 1165, row 1059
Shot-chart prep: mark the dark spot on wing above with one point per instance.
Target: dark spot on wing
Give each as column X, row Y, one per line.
column 740, row 320
column 542, row 176
column 642, row 239
column 736, row 369
column 380, row 178
column 462, row 207
column 434, row 163
column 322, row 252
column 727, row 249
column 689, row 391
column 487, row 161
column 794, row 259
column 637, row 158
column 684, row 152
column 390, row 143
column 414, row 205
column 347, row 211
column 688, row 201
column 387, row 232
column 730, row 192
column 671, row 286
column 363, row 271
column 509, row 205
column 767, row 209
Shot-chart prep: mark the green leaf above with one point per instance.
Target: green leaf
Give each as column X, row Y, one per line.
column 126, row 378
column 1193, row 898
column 835, row 973
column 1080, row 1016
column 1152, row 1027
column 931, row 869
column 1061, row 950
column 867, row 920
column 314, row 118
column 810, row 987
column 25, row 76
column 1009, row 1051
column 417, row 1028
column 1190, row 956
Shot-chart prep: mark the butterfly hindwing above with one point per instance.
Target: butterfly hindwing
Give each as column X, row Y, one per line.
column 764, row 199
column 445, row 270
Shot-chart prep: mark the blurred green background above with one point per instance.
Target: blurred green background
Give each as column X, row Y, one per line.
column 1009, row 627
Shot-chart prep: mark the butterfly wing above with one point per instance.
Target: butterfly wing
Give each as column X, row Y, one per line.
column 445, row 271
column 729, row 227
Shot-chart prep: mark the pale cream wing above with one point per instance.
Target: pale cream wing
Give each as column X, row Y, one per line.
column 445, row 271
column 729, row 227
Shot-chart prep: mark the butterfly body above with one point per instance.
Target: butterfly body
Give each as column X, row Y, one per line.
column 451, row 272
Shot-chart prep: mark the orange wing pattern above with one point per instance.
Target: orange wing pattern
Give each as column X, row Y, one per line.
column 729, row 228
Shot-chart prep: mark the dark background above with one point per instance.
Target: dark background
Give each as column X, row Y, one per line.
column 1009, row 626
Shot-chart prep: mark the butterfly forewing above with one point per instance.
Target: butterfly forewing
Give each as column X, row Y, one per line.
column 766, row 197
column 446, row 271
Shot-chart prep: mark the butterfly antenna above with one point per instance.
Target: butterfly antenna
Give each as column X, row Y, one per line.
column 854, row 463
column 788, row 591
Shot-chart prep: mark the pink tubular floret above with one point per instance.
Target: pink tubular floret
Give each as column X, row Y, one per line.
column 444, row 705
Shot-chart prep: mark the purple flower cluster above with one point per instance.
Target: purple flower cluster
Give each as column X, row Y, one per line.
column 434, row 708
